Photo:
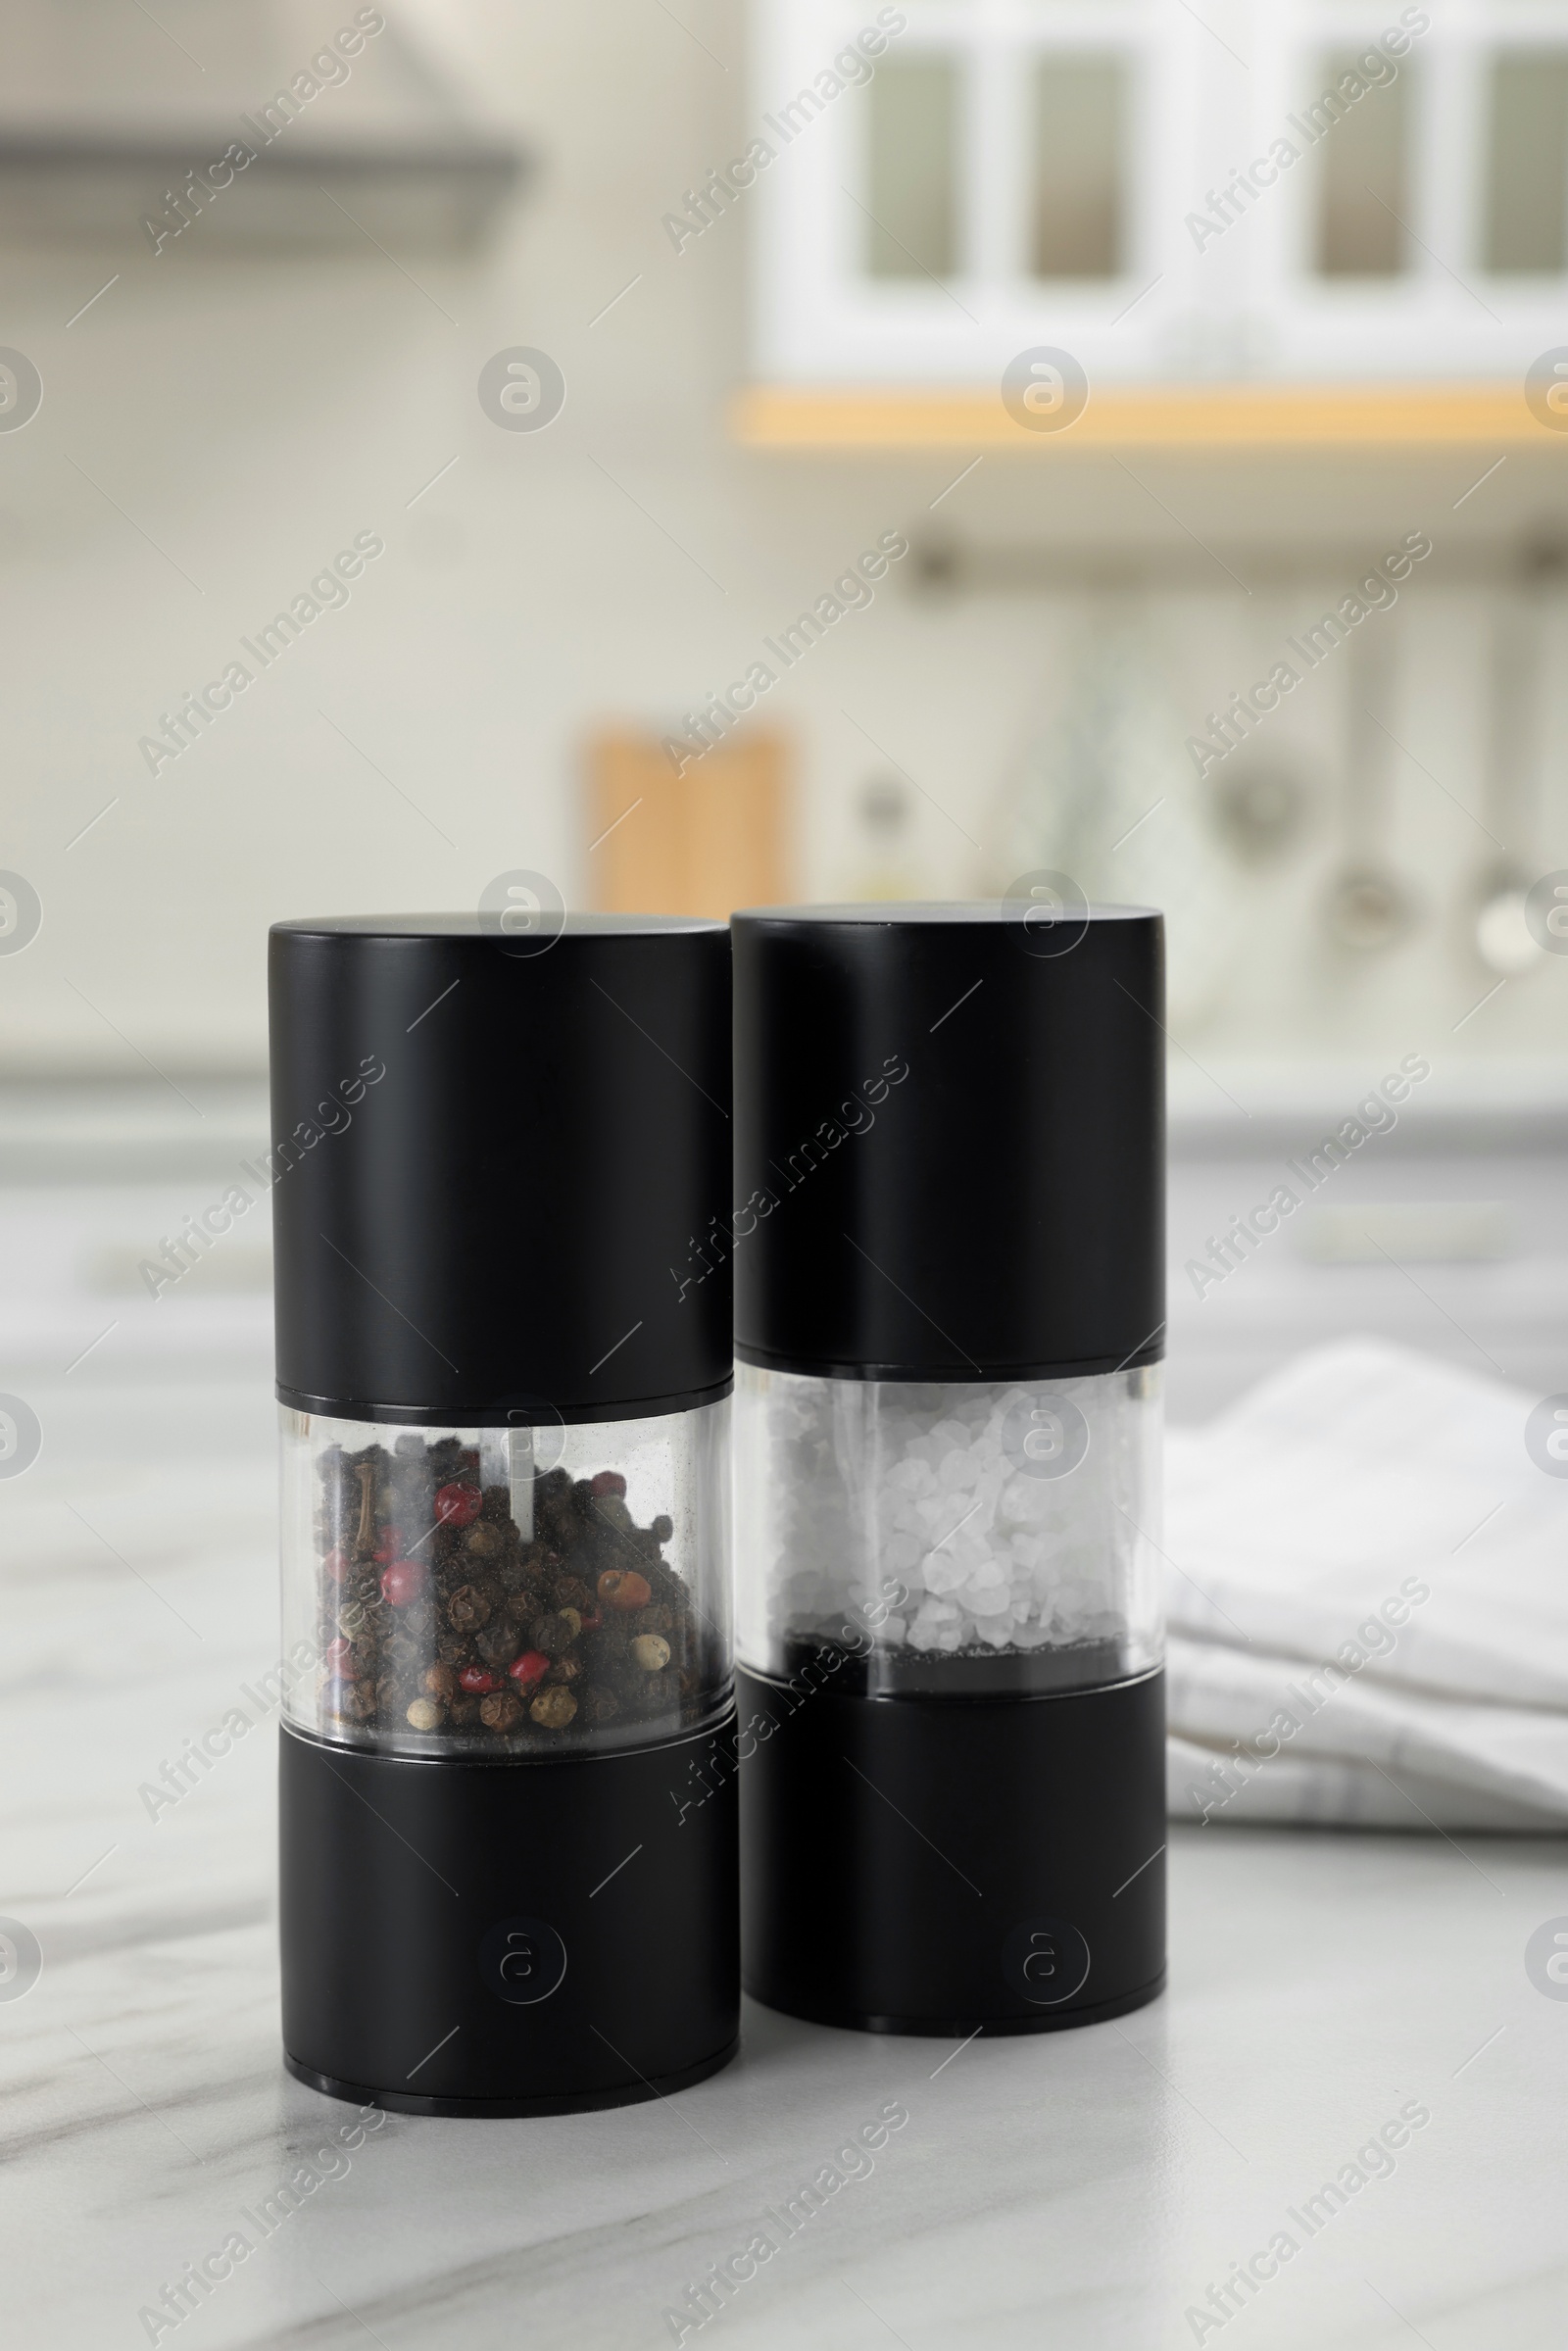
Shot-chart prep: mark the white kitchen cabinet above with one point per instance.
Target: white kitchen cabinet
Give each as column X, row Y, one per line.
column 1173, row 193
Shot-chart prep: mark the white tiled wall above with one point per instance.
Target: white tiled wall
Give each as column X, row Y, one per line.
column 215, row 430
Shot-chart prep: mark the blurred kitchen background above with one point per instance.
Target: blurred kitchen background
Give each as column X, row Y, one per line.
column 1307, row 259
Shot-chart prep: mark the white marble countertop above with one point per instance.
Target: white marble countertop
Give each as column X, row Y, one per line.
column 1079, row 2189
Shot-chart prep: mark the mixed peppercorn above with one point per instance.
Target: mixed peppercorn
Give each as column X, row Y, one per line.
column 440, row 1616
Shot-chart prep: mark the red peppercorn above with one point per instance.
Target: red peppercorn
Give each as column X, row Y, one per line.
column 337, row 1655
column 336, row 1566
column 529, row 1668
column 608, row 1480
column 402, row 1582
column 386, row 1549
column 458, row 1506
column 591, row 1624
column 476, row 1681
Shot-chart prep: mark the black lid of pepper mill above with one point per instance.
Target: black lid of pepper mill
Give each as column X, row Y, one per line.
column 949, row 1140
column 495, row 1163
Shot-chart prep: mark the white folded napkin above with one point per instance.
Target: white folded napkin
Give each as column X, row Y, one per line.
column 1369, row 1599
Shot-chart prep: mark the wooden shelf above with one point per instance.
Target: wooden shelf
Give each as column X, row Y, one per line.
column 1196, row 416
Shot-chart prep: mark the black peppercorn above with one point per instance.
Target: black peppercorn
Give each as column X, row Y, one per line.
column 552, row 1636
column 497, row 1644
column 467, row 1609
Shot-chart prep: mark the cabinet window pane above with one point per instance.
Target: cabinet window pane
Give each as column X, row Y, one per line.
column 1527, row 164
column 1079, row 133
column 913, row 231
column 1362, row 194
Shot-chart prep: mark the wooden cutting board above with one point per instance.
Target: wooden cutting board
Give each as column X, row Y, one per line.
column 700, row 843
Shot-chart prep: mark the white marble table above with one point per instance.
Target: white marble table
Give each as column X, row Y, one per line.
column 1080, row 2190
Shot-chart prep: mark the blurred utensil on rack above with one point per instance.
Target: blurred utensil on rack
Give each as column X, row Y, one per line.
column 1501, row 936
column 1368, row 908
column 1107, row 793
column 1261, row 807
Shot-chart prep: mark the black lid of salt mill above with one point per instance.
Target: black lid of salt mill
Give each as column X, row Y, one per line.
column 491, row 1160
column 949, row 1140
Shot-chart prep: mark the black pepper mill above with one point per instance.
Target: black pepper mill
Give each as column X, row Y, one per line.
column 949, row 1279
column 505, row 1510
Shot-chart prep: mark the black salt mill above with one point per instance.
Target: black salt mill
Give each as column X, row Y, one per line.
column 950, row 1320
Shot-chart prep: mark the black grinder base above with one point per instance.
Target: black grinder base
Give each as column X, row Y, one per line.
column 521, row 1938
column 948, row 1865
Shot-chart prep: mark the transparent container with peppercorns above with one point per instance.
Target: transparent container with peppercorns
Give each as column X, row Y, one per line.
column 463, row 1598
column 507, row 1759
